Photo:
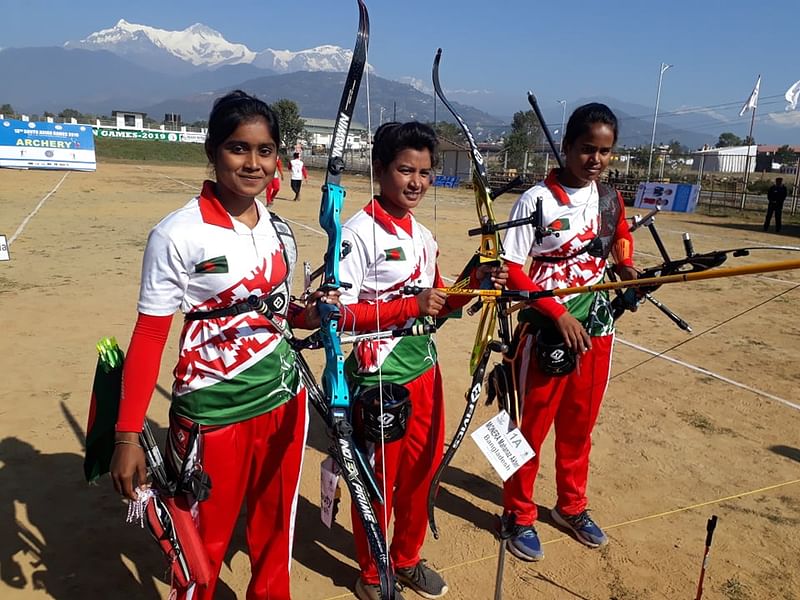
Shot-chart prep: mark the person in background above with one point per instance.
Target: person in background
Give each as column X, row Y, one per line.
column 299, row 174
column 776, row 195
column 238, row 410
column 274, row 185
column 563, row 345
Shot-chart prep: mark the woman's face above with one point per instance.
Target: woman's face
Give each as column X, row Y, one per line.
column 404, row 181
column 588, row 155
column 245, row 162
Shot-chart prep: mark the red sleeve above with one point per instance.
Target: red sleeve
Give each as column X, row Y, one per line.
column 140, row 371
column 305, row 172
column 622, row 248
column 518, row 280
column 297, row 316
column 365, row 316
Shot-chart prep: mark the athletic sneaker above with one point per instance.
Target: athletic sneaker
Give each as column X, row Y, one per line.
column 525, row 544
column 423, row 580
column 585, row 529
column 369, row 591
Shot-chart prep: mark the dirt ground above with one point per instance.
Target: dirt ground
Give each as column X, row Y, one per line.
column 674, row 444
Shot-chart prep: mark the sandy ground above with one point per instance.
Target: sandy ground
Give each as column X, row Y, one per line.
column 674, row 445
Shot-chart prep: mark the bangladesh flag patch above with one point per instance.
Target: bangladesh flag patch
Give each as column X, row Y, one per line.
column 395, row 254
column 559, row 225
column 212, row 265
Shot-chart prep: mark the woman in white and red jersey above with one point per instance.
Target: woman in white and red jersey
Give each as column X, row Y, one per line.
column 563, row 352
column 389, row 250
column 238, row 410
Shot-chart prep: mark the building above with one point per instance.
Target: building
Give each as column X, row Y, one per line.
column 128, row 119
column 320, row 132
column 733, row 159
column 765, row 161
column 455, row 160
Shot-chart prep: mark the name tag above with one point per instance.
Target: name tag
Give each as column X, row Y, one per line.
column 503, row 445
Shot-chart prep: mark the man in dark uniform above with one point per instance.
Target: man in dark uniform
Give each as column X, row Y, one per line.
column 775, row 197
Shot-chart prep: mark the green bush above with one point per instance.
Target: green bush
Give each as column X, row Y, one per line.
column 759, row 187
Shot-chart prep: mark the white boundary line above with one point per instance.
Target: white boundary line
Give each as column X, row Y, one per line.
column 22, row 225
column 709, row 373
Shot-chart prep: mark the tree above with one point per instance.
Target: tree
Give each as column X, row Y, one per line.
column 450, row 132
column 70, row 113
column 728, row 139
column 675, row 147
column 291, row 125
column 7, row 110
column 526, row 136
column 785, row 155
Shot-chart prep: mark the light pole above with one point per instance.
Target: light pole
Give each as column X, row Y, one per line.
column 664, row 67
column 563, row 104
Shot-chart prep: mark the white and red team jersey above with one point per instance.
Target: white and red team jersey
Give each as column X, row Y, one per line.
column 574, row 214
column 383, row 259
column 199, row 259
column 298, row 169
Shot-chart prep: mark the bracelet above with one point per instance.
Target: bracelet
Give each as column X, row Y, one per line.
column 130, row 443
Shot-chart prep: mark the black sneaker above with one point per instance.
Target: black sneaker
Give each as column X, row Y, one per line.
column 423, row 580
column 370, row 591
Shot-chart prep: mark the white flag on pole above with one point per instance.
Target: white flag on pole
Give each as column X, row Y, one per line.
column 792, row 96
column 752, row 102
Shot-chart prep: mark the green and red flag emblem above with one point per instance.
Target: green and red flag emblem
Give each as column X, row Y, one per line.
column 559, row 225
column 395, row 254
column 212, row 265
column 103, row 409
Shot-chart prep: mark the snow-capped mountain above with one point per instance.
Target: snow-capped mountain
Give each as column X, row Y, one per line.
column 200, row 47
column 321, row 58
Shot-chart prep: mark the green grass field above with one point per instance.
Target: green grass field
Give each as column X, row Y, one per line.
column 149, row 151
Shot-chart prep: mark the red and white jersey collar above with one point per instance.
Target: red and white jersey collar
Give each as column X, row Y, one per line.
column 212, row 211
column 389, row 223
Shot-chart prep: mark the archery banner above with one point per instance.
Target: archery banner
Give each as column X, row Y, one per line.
column 34, row 145
column 676, row 197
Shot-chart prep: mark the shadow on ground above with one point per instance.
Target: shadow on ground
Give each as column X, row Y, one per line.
column 787, row 451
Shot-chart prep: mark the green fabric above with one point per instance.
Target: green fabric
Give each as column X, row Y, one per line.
column 103, row 409
column 266, row 385
column 593, row 310
column 410, row 358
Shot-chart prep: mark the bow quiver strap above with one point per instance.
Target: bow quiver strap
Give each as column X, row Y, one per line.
column 169, row 520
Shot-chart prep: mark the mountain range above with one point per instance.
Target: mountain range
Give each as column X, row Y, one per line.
column 142, row 68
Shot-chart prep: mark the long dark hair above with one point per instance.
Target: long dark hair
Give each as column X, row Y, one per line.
column 393, row 137
column 230, row 111
column 583, row 117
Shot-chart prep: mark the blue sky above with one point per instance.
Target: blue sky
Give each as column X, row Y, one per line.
column 495, row 51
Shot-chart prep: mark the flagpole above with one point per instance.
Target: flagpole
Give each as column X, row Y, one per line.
column 747, row 161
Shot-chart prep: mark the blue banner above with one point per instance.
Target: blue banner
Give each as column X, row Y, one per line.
column 35, row 145
column 677, row 197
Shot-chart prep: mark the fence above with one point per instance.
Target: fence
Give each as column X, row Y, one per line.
column 718, row 189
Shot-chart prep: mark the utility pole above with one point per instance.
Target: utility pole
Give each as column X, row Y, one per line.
column 664, row 67
column 563, row 104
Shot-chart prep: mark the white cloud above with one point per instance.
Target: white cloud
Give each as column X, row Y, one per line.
column 417, row 83
column 700, row 110
column 785, row 119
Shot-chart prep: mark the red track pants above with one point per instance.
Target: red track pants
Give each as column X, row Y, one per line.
column 273, row 187
column 570, row 401
column 410, row 464
column 258, row 460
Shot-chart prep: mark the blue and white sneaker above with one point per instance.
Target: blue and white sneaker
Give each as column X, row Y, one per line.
column 525, row 544
column 585, row 529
